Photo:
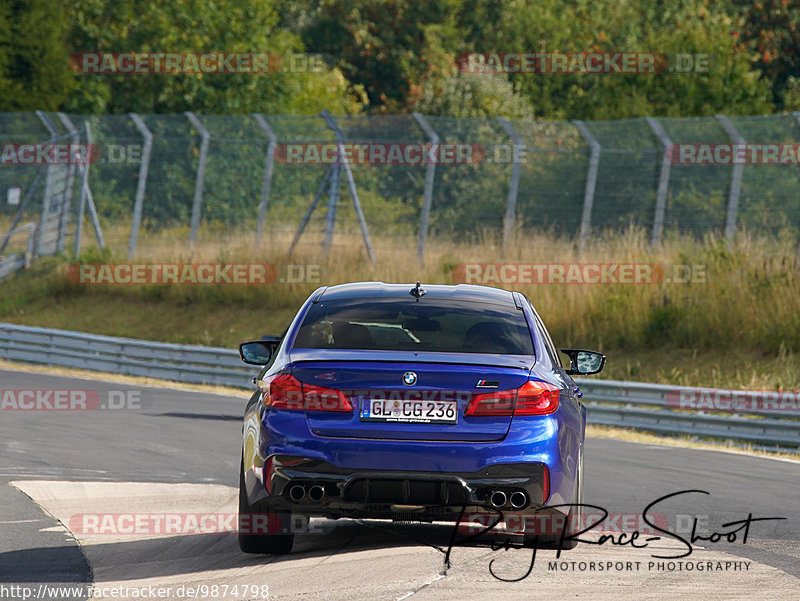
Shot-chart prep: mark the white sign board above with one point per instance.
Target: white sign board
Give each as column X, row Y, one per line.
column 13, row 195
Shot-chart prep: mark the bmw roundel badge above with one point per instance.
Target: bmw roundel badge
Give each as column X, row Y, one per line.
column 409, row 378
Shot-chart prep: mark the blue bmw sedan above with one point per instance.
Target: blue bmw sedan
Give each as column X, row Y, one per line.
column 404, row 402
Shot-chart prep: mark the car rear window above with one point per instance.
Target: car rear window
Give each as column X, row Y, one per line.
column 427, row 325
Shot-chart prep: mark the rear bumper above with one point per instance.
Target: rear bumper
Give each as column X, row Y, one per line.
column 318, row 488
column 439, row 473
column 314, row 487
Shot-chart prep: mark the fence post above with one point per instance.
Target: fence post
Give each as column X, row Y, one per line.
column 42, row 229
column 266, row 181
column 29, row 246
column 84, row 191
column 663, row 180
column 591, row 181
column 430, row 174
column 89, row 198
column 201, row 174
column 144, row 167
column 342, row 159
column 307, row 216
column 66, row 205
column 333, row 206
column 736, row 179
column 513, row 187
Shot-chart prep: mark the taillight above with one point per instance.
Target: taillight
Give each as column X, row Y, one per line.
column 287, row 392
column 284, row 391
column 532, row 398
column 492, row 403
column 536, row 398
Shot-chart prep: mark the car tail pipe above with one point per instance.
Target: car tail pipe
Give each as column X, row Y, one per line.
column 297, row 492
column 313, row 492
column 518, row 499
column 498, row 499
column 316, row 493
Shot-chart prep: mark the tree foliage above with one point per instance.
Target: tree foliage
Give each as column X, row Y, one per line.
column 772, row 29
column 394, row 48
column 197, row 26
column 34, row 73
column 399, row 55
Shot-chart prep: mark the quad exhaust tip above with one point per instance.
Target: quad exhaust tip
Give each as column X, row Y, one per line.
column 498, row 499
column 316, row 493
column 518, row 499
column 297, row 493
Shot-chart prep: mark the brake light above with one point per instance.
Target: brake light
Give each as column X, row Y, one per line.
column 492, row 403
column 287, row 392
column 536, row 398
column 532, row 398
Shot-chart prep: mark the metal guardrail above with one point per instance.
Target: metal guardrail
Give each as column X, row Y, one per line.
column 177, row 362
column 633, row 405
column 643, row 406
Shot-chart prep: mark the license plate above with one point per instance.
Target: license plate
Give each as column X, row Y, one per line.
column 409, row 411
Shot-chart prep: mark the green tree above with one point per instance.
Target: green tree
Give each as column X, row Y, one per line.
column 394, row 49
column 380, row 44
column 683, row 27
column 772, row 29
column 34, row 73
column 197, row 26
column 461, row 95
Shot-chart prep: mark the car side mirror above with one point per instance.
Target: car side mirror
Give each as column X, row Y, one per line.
column 584, row 363
column 258, row 352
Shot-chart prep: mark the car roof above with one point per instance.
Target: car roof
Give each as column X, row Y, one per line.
column 460, row 292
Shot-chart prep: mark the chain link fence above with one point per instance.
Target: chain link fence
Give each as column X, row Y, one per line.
column 217, row 176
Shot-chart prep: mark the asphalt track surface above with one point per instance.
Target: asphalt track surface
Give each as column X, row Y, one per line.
column 179, row 452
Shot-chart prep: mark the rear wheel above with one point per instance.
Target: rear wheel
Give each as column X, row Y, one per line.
column 264, row 544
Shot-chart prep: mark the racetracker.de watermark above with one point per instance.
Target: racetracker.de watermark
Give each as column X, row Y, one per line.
column 597, row 63
column 578, row 273
column 183, row 524
column 734, row 154
column 211, row 592
column 173, row 63
column 126, row 274
column 48, row 153
column 712, row 399
column 72, row 399
column 59, row 153
column 554, row 524
column 379, row 153
column 186, row 524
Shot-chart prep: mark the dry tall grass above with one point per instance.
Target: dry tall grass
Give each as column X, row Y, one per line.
column 750, row 296
column 747, row 309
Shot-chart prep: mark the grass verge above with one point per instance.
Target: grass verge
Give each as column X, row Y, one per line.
column 736, row 326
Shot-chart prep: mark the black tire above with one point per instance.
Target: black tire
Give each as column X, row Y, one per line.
column 262, row 544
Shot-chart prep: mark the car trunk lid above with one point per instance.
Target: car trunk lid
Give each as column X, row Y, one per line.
column 444, row 381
